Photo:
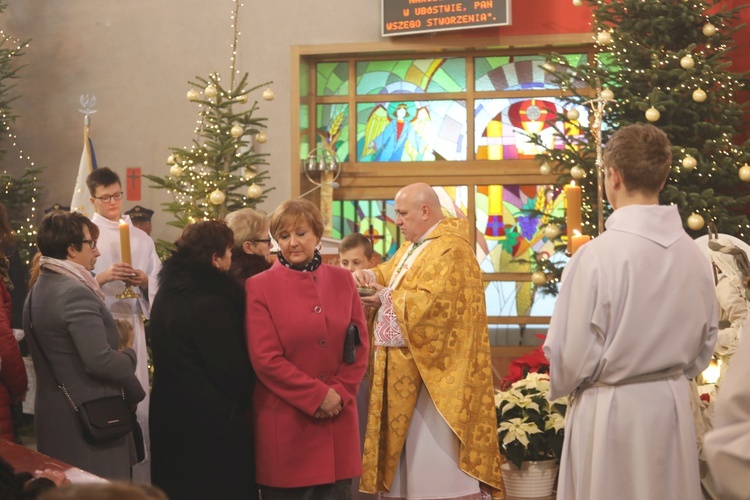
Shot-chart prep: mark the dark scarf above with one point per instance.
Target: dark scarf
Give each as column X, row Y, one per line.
column 315, row 263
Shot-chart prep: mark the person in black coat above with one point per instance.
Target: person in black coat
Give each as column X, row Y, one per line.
column 202, row 387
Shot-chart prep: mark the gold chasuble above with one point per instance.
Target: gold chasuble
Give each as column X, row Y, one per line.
column 441, row 311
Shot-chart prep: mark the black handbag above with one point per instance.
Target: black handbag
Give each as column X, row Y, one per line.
column 103, row 419
column 350, row 344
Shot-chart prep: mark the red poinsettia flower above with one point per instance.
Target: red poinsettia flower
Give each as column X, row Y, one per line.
column 535, row 361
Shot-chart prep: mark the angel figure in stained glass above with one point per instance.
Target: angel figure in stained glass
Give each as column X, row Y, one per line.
column 390, row 135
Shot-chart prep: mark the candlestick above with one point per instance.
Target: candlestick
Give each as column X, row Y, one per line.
column 572, row 212
column 578, row 241
column 125, row 242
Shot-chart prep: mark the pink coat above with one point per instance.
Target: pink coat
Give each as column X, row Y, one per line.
column 296, row 324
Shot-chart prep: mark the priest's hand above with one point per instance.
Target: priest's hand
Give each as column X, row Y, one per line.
column 374, row 299
column 119, row 271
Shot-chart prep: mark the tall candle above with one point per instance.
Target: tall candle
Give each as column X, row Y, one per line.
column 572, row 212
column 125, row 242
column 577, row 241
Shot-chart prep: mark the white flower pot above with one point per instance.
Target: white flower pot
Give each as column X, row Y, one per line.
column 533, row 480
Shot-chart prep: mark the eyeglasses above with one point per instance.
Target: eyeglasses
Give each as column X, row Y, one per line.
column 90, row 243
column 267, row 241
column 109, row 197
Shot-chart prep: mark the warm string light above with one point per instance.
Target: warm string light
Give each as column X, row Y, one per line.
column 27, row 229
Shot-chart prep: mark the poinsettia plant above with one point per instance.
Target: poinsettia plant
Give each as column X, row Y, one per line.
column 533, row 362
column 529, row 427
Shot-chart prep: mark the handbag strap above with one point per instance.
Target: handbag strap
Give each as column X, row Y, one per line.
column 46, row 359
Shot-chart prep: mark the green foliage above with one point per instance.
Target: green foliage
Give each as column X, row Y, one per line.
column 17, row 193
column 216, row 159
column 642, row 67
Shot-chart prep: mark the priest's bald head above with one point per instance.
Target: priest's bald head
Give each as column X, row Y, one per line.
column 417, row 210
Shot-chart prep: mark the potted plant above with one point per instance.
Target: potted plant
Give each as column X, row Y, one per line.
column 530, row 433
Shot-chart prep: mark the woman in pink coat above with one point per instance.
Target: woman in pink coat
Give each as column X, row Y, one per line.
column 307, row 340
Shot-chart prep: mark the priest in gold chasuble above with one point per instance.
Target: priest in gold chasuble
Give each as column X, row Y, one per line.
column 431, row 430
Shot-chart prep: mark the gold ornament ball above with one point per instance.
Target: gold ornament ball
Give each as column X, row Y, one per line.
column 709, row 29
column 170, row 160
column 695, row 222
column 689, row 162
column 577, row 3
column 243, row 98
column 607, row 94
column 545, row 169
column 217, row 197
column 192, row 95
column 175, row 170
column 699, row 95
column 745, row 173
column 652, row 114
column 237, row 131
column 538, row 278
column 261, row 137
column 573, row 114
column 254, row 191
column 548, row 66
column 268, row 94
column 577, row 173
column 551, row 231
column 687, row 62
column 604, row 38
column 211, row 90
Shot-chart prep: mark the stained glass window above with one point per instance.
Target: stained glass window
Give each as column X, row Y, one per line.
column 411, row 76
column 332, row 78
column 374, row 218
column 510, row 221
column 516, row 72
column 411, row 131
column 503, row 126
column 333, row 127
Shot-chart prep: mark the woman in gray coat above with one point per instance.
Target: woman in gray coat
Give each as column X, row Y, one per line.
column 80, row 339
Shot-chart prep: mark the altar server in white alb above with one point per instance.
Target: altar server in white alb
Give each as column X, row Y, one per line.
column 113, row 274
column 635, row 318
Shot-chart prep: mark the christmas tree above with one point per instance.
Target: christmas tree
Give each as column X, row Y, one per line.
column 221, row 171
column 17, row 193
column 664, row 62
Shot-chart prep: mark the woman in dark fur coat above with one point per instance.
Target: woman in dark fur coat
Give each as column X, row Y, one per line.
column 202, row 388
column 252, row 244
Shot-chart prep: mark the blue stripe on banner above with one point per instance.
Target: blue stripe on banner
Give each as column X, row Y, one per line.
column 93, row 155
